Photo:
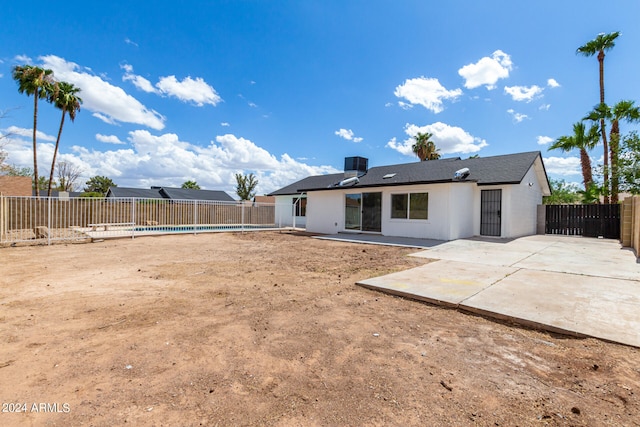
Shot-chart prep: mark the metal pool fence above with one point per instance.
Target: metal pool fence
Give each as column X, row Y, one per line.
column 46, row 220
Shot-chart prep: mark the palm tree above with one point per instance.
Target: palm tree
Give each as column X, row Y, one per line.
column 599, row 45
column 623, row 110
column 39, row 83
column 424, row 148
column 582, row 141
column 66, row 99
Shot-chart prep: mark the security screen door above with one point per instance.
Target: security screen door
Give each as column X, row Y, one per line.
column 491, row 212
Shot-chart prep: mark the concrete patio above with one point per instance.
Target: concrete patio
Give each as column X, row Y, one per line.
column 572, row 285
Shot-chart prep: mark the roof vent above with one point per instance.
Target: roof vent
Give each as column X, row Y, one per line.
column 461, row 174
column 355, row 166
column 348, row 181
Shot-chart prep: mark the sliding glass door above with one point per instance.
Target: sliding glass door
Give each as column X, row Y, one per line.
column 363, row 212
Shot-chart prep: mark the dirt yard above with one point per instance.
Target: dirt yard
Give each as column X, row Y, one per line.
column 269, row 329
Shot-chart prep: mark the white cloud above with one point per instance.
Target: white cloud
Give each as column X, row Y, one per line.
column 23, row 59
column 127, row 40
column 225, row 124
column 523, row 93
column 553, row 83
column 109, row 139
column 138, row 81
column 564, row 166
column 189, row 90
column 518, row 117
column 167, row 160
column 544, row 107
column 487, row 71
column 348, row 135
column 427, row 92
column 108, row 103
column 252, row 104
column 449, row 139
column 28, row 133
column 544, row 140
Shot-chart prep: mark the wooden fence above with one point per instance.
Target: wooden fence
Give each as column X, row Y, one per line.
column 583, row 220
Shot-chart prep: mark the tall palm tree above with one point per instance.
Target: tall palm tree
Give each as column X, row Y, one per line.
column 623, row 110
column 582, row 140
column 599, row 45
column 424, row 148
column 38, row 82
column 66, row 98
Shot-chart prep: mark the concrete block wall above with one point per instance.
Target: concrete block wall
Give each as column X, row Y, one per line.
column 15, row 186
column 630, row 223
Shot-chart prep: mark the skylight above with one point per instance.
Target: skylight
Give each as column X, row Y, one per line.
column 389, row 175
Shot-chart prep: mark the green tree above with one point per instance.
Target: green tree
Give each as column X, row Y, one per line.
column 43, row 184
column 580, row 140
column 627, row 111
column 629, row 170
column 13, row 170
column 190, row 185
column 66, row 98
column 39, row 83
column 99, row 184
column 598, row 46
column 424, row 148
column 562, row 193
column 246, row 185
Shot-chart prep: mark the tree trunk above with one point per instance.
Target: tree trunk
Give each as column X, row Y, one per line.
column 585, row 163
column 605, row 147
column 35, row 151
column 614, row 145
column 55, row 153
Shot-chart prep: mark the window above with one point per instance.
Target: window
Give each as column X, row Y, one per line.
column 410, row 206
column 300, row 206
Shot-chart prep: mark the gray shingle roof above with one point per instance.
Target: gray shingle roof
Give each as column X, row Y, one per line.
column 142, row 193
column 504, row 169
column 170, row 193
column 190, row 194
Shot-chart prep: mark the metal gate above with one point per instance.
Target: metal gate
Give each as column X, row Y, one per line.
column 491, row 212
column 583, row 220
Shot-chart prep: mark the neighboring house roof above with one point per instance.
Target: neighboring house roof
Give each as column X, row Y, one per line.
column 170, row 193
column 142, row 193
column 504, row 169
column 190, row 194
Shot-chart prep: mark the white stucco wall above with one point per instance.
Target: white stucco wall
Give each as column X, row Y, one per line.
column 523, row 207
column 325, row 211
column 450, row 214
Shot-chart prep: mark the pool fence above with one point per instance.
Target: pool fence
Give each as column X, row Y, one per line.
column 47, row 219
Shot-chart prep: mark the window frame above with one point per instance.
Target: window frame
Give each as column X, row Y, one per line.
column 405, row 206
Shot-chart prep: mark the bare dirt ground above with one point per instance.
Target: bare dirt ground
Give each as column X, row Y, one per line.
column 269, row 329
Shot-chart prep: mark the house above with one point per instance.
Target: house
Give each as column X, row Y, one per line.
column 444, row 199
column 170, row 193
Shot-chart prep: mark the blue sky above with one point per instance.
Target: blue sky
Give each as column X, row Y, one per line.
column 202, row 90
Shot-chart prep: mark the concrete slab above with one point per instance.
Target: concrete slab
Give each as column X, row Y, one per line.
column 578, row 305
column 574, row 285
column 377, row 239
column 440, row 282
column 486, row 252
